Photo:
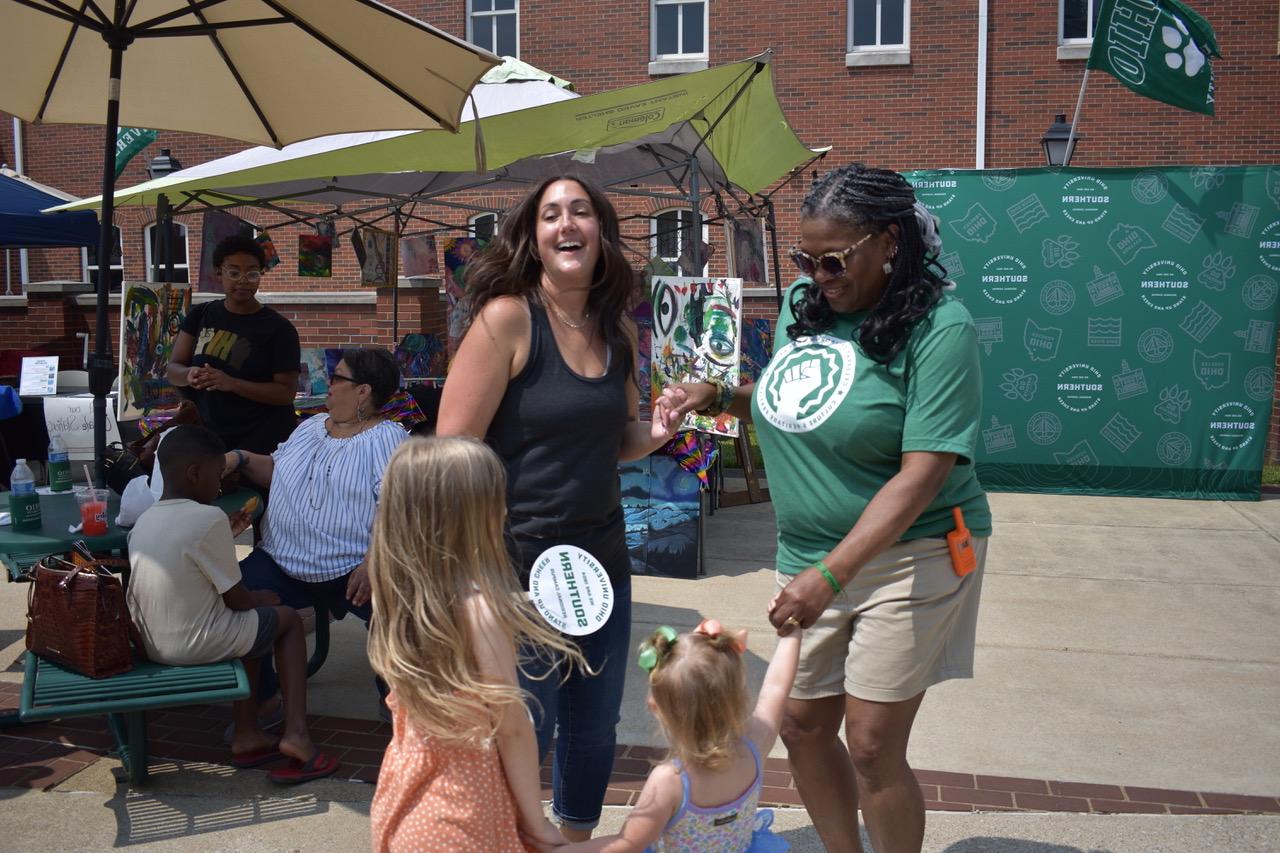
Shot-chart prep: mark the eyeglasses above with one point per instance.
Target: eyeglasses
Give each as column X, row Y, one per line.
column 232, row 274
column 831, row 263
column 338, row 377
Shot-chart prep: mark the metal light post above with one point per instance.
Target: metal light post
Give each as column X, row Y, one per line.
column 1058, row 142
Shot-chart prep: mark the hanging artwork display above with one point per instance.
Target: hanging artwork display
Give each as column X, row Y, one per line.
column 377, row 255
column 421, row 355
column 268, row 250
column 215, row 227
column 458, row 252
column 418, row 256
column 315, row 252
column 697, row 327
column 150, row 319
column 747, row 259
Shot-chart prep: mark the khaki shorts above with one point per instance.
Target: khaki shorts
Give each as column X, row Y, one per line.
column 904, row 623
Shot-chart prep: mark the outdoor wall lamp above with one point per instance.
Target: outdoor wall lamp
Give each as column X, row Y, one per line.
column 1055, row 139
column 162, row 164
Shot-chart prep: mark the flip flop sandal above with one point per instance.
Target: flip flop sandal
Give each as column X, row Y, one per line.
column 257, row 758
column 320, row 766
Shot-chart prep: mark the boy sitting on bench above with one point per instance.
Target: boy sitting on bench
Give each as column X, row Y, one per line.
column 190, row 605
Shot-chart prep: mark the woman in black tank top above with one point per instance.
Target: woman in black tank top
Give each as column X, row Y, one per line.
column 546, row 375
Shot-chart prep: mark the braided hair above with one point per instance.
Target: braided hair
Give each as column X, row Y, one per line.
column 874, row 199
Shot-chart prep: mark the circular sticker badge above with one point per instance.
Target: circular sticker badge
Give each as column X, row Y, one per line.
column 571, row 590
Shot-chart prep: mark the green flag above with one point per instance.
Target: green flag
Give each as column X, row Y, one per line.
column 129, row 141
column 1160, row 49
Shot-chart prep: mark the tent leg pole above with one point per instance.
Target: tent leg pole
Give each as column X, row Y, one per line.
column 773, row 242
column 695, row 219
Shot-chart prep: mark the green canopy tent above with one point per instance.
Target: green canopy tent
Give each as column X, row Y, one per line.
column 720, row 131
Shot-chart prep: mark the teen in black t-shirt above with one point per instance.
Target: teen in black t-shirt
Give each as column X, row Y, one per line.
column 239, row 356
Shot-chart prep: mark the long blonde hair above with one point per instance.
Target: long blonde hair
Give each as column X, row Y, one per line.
column 699, row 688
column 437, row 541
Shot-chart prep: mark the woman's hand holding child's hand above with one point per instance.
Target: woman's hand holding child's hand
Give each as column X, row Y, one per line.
column 544, row 835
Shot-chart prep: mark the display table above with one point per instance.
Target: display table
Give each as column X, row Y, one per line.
column 21, row 549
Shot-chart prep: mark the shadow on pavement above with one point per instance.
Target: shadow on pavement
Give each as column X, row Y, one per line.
column 990, row 844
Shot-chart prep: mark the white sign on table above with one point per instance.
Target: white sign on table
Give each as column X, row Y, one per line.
column 39, row 376
column 72, row 418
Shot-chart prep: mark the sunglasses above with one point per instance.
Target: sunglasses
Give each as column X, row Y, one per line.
column 832, row 264
column 338, row 377
column 252, row 276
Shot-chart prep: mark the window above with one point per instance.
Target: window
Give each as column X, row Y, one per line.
column 678, row 29
column 670, row 231
column 495, row 25
column 483, row 226
column 177, row 246
column 1077, row 20
column 115, row 271
column 878, row 24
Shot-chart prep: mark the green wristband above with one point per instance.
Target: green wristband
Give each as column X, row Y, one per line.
column 831, row 579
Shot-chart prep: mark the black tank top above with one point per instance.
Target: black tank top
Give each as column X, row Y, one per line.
column 558, row 433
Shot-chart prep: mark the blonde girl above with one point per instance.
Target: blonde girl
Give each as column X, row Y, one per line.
column 461, row 772
column 703, row 799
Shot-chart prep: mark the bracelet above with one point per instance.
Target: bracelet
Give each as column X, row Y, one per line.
column 717, row 404
column 831, row 579
column 240, row 458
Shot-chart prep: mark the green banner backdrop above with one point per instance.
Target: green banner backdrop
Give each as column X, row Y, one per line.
column 1127, row 320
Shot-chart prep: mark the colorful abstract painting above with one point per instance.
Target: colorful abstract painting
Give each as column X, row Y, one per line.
column 642, row 316
column 696, row 334
column 150, row 319
column 458, row 252
column 315, row 255
column 313, row 373
column 377, row 256
column 757, row 348
column 421, row 355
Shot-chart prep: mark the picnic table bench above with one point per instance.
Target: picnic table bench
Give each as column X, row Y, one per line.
column 51, row 692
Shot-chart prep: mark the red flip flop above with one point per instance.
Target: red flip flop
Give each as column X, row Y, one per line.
column 257, row 758
column 320, row 766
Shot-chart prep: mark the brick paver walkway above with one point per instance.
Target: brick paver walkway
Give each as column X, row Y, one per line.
column 44, row 755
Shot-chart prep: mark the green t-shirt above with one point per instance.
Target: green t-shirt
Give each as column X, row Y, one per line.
column 833, row 425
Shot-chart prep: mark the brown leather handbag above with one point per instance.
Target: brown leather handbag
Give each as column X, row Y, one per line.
column 77, row 616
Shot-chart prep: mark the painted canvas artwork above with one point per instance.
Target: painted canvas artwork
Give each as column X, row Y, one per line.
column 421, row 355
column 661, row 505
column 376, row 254
column 757, row 348
column 151, row 317
column 747, row 259
column 642, row 316
column 697, row 325
column 458, row 252
column 315, row 255
column 268, row 249
column 418, row 256
column 313, row 373
column 215, row 227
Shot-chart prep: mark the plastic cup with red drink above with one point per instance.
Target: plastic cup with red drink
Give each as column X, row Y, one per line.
column 93, row 510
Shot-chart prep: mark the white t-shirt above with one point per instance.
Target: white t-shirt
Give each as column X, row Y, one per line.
column 183, row 559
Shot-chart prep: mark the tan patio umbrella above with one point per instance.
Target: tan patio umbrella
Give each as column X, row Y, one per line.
column 264, row 71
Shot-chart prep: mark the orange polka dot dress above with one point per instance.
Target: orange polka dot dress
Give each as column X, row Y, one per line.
column 444, row 796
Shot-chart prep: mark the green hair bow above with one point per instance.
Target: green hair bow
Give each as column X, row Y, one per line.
column 649, row 654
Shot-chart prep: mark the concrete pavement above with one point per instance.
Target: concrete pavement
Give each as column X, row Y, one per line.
column 1121, row 642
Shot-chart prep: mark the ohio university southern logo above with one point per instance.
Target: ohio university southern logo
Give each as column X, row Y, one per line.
column 806, row 382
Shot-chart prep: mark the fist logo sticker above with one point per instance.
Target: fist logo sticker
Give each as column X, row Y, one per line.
column 806, row 382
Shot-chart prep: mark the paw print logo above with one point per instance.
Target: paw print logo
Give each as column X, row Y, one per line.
column 1060, row 252
column 1183, row 52
column 1218, row 269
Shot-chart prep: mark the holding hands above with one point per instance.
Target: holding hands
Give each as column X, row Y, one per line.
column 801, row 602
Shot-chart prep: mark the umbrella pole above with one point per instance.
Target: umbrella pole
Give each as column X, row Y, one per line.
column 102, row 368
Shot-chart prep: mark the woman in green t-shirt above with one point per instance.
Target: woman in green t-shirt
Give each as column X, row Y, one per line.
column 868, row 419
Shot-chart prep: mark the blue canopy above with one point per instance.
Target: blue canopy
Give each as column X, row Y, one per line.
column 22, row 225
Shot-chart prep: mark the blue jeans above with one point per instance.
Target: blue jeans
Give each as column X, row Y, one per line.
column 260, row 571
column 582, row 713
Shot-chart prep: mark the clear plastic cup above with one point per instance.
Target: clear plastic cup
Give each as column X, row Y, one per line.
column 93, row 510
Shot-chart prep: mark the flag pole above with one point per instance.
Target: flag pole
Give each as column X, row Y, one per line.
column 1075, row 117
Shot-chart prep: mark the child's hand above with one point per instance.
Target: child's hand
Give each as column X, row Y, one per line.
column 264, row 598
column 240, row 521
column 543, row 835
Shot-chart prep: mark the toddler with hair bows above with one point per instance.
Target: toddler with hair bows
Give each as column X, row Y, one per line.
column 704, row 798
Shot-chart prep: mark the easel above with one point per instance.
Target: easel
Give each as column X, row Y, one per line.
column 754, row 493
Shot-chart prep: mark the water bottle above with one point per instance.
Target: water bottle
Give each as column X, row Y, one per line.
column 59, row 465
column 24, row 503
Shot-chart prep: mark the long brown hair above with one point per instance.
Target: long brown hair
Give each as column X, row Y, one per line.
column 437, row 544
column 510, row 265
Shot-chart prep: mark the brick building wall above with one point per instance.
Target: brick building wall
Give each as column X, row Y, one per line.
column 912, row 116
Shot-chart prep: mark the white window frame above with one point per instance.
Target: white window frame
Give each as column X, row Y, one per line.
column 186, row 250
column 654, row 226
column 1075, row 48
column 491, row 17
column 680, row 62
column 471, row 223
column 878, row 54
column 85, row 266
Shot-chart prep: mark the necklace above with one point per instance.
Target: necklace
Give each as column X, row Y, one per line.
column 561, row 316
